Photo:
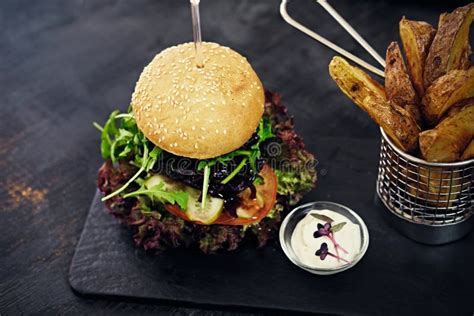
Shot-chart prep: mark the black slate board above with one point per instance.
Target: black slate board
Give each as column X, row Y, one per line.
column 395, row 269
column 65, row 64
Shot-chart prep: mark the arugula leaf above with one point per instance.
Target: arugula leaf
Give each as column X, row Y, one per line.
column 108, row 130
column 121, row 143
column 125, row 140
column 158, row 193
column 264, row 133
column 265, row 130
column 153, row 157
column 118, row 143
column 135, row 176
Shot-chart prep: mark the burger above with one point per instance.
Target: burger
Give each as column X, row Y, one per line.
column 204, row 157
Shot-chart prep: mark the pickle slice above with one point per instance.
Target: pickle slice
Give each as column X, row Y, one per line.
column 211, row 211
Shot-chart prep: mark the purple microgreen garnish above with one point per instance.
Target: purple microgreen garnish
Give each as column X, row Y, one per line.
column 323, row 252
column 322, row 217
column 335, row 229
column 323, row 230
column 328, row 231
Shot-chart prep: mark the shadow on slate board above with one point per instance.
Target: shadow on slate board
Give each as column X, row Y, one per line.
column 394, row 271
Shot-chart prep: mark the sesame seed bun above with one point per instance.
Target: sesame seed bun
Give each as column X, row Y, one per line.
column 198, row 112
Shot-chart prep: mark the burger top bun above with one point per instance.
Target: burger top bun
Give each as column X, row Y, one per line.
column 198, row 112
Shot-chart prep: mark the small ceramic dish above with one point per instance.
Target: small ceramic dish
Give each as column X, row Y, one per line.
column 297, row 214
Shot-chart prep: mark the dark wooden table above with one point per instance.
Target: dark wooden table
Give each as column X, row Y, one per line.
column 64, row 64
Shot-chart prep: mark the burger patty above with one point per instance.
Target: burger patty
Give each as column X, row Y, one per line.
column 185, row 170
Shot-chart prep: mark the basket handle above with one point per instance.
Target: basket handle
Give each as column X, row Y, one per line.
column 331, row 45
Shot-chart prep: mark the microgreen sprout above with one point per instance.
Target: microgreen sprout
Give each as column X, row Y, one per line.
column 323, row 252
column 235, row 172
column 205, row 185
column 328, row 230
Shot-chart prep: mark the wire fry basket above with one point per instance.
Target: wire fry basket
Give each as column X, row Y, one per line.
column 429, row 202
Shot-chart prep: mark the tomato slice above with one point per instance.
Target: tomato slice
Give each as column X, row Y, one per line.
column 267, row 190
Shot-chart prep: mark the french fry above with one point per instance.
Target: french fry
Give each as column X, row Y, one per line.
column 416, row 38
column 369, row 95
column 449, row 44
column 447, row 141
column 398, row 86
column 455, row 86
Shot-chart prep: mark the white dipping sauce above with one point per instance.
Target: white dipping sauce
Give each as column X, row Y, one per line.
column 305, row 245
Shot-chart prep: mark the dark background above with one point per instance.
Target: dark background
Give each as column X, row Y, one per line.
column 64, row 64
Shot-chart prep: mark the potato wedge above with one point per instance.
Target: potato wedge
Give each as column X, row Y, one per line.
column 398, row 86
column 448, row 47
column 468, row 152
column 369, row 95
column 435, row 186
column 447, row 141
column 466, row 57
column 416, row 38
column 446, row 91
